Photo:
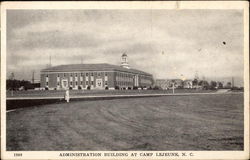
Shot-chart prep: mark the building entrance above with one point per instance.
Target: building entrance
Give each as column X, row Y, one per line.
column 65, row 84
column 99, row 83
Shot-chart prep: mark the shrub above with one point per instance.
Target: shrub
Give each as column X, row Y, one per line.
column 106, row 88
column 79, row 87
column 180, row 87
column 89, row 87
column 156, row 88
column 117, row 87
column 70, row 88
column 205, row 87
column 135, row 88
column 46, row 88
column 129, row 88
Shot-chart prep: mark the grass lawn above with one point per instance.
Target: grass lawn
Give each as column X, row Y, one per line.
column 204, row 122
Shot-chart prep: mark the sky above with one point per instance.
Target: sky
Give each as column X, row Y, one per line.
column 166, row 43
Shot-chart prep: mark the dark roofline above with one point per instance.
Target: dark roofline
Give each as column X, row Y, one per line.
column 92, row 67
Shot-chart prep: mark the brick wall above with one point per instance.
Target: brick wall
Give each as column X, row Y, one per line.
column 125, row 79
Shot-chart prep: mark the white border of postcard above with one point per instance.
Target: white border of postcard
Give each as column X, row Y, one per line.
column 243, row 5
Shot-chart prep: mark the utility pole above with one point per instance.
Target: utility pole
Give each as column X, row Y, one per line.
column 173, row 86
column 232, row 85
column 33, row 77
column 196, row 75
column 49, row 64
column 12, row 77
column 49, row 60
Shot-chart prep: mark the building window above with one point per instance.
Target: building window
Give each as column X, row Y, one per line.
column 81, row 82
column 87, row 74
column 64, row 75
column 106, row 77
column 92, row 74
column 47, row 78
column 106, row 83
column 71, row 74
column 98, row 74
column 71, row 83
column 58, row 83
column 81, row 74
column 106, row 74
column 87, row 83
column 76, row 84
column 92, row 77
column 92, row 82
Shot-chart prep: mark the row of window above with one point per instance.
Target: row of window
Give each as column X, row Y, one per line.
column 81, row 83
column 120, row 75
column 146, row 81
column 124, row 75
column 82, row 74
column 120, row 83
column 127, row 79
column 149, row 79
column 129, row 76
column 76, row 83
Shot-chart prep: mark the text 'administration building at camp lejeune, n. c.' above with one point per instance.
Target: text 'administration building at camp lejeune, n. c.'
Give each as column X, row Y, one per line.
column 95, row 76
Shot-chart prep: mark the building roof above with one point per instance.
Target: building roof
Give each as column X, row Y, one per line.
column 91, row 67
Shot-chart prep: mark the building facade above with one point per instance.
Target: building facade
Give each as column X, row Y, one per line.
column 188, row 84
column 163, row 83
column 95, row 76
column 178, row 83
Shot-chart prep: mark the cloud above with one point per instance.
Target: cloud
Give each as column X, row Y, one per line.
column 166, row 43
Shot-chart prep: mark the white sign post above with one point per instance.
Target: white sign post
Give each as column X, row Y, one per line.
column 173, row 87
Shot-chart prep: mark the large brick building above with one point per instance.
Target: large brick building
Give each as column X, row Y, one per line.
column 95, row 76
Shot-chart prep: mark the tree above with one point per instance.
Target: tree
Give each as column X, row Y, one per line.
column 229, row 85
column 220, row 85
column 172, row 83
column 13, row 84
column 204, row 84
column 213, row 84
column 200, row 83
column 195, row 82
